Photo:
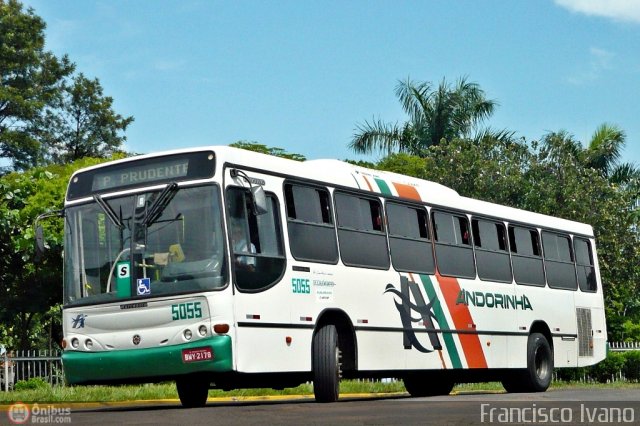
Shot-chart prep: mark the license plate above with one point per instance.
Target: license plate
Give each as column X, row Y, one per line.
column 197, row 354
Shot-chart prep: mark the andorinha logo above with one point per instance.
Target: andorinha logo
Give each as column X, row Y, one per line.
column 20, row 414
column 493, row 300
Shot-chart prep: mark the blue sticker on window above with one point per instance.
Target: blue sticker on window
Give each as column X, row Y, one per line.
column 143, row 286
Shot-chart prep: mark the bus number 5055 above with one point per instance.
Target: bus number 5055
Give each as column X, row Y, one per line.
column 188, row 310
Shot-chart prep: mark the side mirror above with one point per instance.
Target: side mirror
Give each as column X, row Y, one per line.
column 259, row 200
column 40, row 247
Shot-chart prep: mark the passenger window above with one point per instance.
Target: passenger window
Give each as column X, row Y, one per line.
column 526, row 256
column 584, row 265
column 558, row 260
column 454, row 253
column 409, row 241
column 492, row 257
column 361, row 236
column 256, row 241
column 312, row 235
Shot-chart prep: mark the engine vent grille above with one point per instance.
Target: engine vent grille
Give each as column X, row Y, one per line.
column 585, row 332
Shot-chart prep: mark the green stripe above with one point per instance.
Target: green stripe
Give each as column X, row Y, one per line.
column 442, row 321
column 384, row 188
column 119, row 365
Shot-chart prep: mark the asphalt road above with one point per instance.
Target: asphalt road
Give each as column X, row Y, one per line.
column 584, row 406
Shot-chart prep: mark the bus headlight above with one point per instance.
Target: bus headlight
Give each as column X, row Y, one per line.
column 202, row 330
column 75, row 343
column 88, row 344
column 187, row 334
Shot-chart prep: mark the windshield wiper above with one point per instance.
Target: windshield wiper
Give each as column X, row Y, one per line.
column 160, row 203
column 108, row 211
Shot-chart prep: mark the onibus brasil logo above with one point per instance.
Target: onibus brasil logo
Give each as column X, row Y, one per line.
column 20, row 414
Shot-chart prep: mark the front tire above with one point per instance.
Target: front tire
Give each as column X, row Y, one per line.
column 192, row 391
column 326, row 364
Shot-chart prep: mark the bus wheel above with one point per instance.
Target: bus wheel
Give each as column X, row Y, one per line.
column 192, row 391
column 538, row 374
column 326, row 364
column 539, row 363
column 419, row 385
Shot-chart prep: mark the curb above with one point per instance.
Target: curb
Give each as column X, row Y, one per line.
column 213, row 400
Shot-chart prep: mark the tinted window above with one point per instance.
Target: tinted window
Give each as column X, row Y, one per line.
column 360, row 232
column 312, row 235
column 492, row 257
column 558, row 260
column 256, row 241
column 526, row 256
column 584, row 265
column 452, row 237
column 409, row 240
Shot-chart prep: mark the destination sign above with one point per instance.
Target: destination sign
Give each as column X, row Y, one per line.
column 175, row 169
column 141, row 172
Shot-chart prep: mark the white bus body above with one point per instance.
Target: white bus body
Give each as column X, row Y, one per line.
column 252, row 270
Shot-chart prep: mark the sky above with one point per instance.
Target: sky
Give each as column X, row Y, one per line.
column 302, row 75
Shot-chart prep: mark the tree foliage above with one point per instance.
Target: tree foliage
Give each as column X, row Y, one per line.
column 46, row 115
column 263, row 149
column 81, row 123
column 31, row 79
column 29, row 291
column 436, row 114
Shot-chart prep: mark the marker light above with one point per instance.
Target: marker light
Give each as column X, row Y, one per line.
column 63, row 344
column 221, row 328
column 75, row 343
column 187, row 334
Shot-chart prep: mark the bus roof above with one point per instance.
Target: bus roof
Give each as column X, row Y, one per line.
column 341, row 173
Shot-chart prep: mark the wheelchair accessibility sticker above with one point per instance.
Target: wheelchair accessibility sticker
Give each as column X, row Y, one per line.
column 143, row 286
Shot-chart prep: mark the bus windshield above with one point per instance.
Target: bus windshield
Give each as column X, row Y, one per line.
column 145, row 244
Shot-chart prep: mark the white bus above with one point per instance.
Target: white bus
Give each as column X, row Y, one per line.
column 224, row 268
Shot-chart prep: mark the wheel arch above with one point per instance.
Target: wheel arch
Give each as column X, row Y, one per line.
column 542, row 328
column 346, row 335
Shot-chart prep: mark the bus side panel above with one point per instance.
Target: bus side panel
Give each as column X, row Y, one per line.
column 555, row 309
column 482, row 312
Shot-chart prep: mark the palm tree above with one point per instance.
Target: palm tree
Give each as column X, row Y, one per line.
column 605, row 151
column 445, row 112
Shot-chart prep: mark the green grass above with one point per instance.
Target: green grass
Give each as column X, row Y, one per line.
column 48, row 394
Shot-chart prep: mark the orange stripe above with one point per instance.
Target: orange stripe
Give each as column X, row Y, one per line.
column 407, row 191
column 461, row 320
column 368, row 183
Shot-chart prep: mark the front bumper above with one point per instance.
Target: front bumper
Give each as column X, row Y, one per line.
column 139, row 364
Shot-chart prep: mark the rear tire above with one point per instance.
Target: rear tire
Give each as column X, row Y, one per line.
column 326, row 364
column 539, row 372
column 539, row 363
column 421, row 385
column 193, row 391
